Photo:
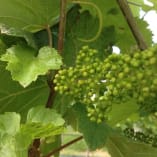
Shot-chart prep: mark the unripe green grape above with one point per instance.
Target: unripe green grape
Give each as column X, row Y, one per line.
column 127, row 58
column 140, row 99
column 99, row 120
column 80, row 82
column 84, row 74
column 145, row 89
column 108, row 76
column 126, row 70
column 150, row 53
column 92, row 71
column 113, row 79
column 128, row 86
column 56, row 88
column 155, row 81
column 93, row 119
column 152, row 60
column 137, row 55
column 135, row 63
column 121, row 75
column 115, row 92
column 107, row 66
column 87, row 59
column 140, row 75
column 114, row 67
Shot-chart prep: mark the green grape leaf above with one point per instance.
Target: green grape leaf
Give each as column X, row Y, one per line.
column 79, row 26
column 40, row 130
column 9, row 123
column 40, row 114
column 7, row 146
column 22, row 143
column 18, row 33
column 25, row 67
column 119, row 146
column 29, row 15
column 50, row 144
column 121, row 111
column 94, row 134
column 112, row 16
column 15, row 98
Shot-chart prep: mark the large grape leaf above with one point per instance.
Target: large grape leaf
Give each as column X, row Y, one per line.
column 122, row 110
column 25, row 67
column 10, row 31
column 119, row 146
column 85, row 26
column 94, row 134
column 30, row 15
column 112, row 16
column 15, row 98
column 15, row 139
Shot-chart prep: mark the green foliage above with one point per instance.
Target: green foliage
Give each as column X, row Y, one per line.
column 95, row 89
column 119, row 146
column 25, row 67
column 94, row 134
column 16, row 138
column 10, row 31
column 31, row 16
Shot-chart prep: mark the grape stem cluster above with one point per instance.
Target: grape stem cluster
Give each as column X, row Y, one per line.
column 99, row 83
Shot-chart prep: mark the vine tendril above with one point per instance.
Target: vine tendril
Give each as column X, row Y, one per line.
column 100, row 20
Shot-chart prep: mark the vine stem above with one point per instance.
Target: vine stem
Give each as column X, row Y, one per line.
column 34, row 149
column 49, row 35
column 64, row 146
column 62, row 24
column 49, row 74
column 123, row 4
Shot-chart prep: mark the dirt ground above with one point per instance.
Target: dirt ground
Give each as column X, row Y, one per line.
column 84, row 154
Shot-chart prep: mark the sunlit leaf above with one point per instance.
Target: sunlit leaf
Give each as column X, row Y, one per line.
column 25, row 67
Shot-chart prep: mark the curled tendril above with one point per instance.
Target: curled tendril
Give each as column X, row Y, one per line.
column 100, row 20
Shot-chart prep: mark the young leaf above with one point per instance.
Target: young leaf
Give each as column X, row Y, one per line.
column 25, row 67
column 9, row 123
column 119, row 146
column 40, row 114
column 7, row 147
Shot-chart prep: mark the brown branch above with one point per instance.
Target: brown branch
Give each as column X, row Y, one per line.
column 34, row 149
column 64, row 146
column 62, row 25
column 123, row 4
column 51, row 96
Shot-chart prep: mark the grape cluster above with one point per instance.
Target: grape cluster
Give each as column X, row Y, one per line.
column 141, row 136
column 98, row 83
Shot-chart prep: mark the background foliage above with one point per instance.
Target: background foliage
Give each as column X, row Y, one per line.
column 28, row 65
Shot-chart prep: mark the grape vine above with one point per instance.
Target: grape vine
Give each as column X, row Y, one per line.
column 117, row 78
